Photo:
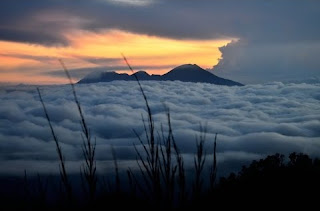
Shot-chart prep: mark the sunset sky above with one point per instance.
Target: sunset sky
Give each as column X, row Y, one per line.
column 29, row 63
column 248, row 42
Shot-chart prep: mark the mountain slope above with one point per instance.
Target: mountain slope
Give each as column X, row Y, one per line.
column 185, row 73
column 194, row 73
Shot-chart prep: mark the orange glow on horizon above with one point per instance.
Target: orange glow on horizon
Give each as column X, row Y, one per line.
column 30, row 79
column 27, row 63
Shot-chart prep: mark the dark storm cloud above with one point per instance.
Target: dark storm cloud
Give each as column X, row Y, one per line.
column 252, row 121
column 17, row 23
column 254, row 21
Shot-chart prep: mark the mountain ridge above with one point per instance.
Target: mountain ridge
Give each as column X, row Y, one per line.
column 184, row 73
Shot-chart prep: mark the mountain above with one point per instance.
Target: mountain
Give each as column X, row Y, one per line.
column 185, row 73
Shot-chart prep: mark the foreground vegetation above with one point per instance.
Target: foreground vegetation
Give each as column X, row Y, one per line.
column 270, row 182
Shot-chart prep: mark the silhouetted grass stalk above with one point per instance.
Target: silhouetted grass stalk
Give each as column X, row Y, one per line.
column 88, row 148
column 116, row 168
column 168, row 169
column 26, row 189
column 199, row 161
column 151, row 164
column 158, row 168
column 132, row 183
column 213, row 172
column 63, row 172
column 42, row 189
column 182, row 192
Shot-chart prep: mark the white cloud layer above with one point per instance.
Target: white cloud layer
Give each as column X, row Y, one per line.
column 252, row 121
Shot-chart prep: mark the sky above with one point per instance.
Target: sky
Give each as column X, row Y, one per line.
column 250, row 41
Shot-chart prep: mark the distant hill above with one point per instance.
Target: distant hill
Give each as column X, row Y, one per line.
column 185, row 73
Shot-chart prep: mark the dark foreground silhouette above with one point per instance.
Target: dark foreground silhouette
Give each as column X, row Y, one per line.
column 273, row 182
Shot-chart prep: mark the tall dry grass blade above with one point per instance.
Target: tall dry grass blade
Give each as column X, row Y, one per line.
column 83, row 122
column 213, row 173
column 63, row 172
column 116, row 168
column 42, row 189
column 146, row 176
column 132, row 177
column 181, row 179
column 151, row 123
column 89, row 169
column 168, row 169
column 152, row 163
column 199, row 161
column 26, row 185
column 26, row 190
column 132, row 184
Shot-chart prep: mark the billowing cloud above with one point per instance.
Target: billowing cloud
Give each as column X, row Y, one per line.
column 260, row 62
column 251, row 121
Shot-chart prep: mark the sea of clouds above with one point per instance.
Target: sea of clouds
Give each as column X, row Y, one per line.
column 251, row 122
